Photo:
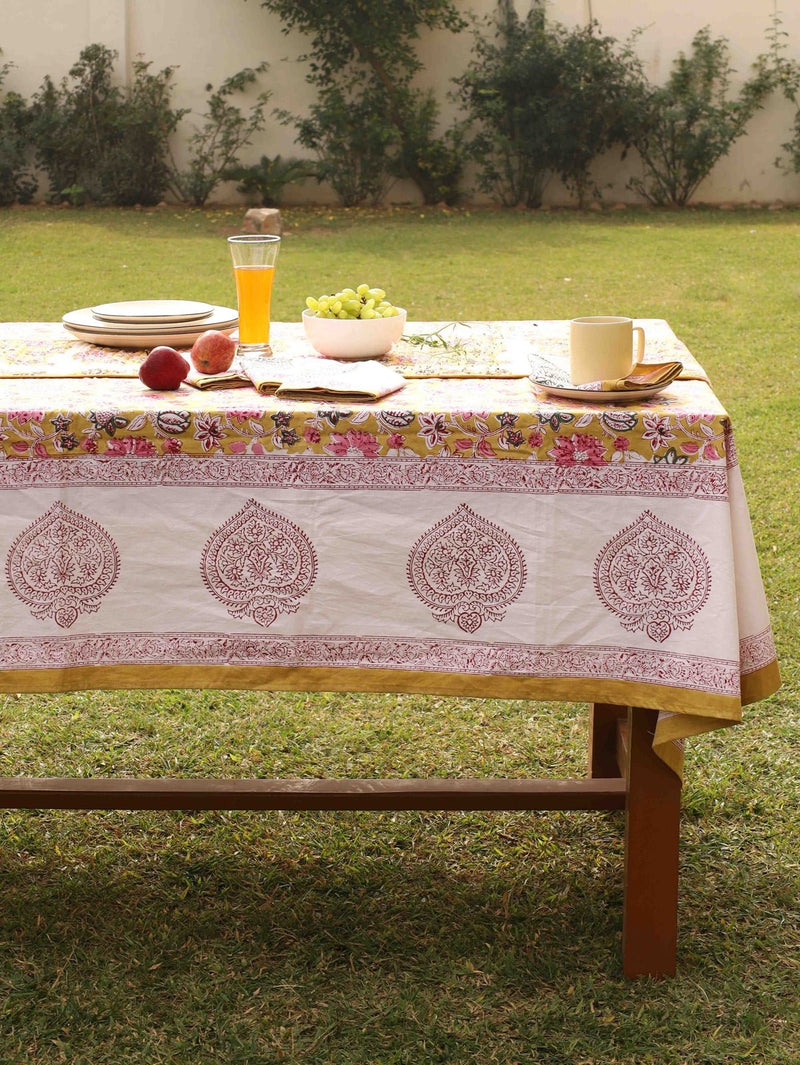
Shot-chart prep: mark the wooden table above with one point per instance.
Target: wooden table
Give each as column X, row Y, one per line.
column 465, row 536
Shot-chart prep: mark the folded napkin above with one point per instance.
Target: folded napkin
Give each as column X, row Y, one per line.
column 209, row 382
column 651, row 375
column 311, row 378
column 643, row 376
column 304, row 378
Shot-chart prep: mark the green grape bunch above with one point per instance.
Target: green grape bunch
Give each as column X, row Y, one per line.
column 361, row 302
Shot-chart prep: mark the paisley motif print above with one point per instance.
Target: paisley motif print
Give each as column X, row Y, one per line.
column 259, row 564
column 466, row 569
column 653, row 577
column 62, row 565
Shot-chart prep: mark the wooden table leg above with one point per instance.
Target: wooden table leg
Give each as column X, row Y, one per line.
column 650, row 908
column 603, row 718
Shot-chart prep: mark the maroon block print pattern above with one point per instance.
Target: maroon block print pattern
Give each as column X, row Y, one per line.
column 62, row 565
column 705, row 481
column 757, row 651
column 466, row 569
column 259, row 564
column 459, row 654
column 654, row 577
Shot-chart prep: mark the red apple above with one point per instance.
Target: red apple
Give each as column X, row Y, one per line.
column 213, row 352
column 164, row 369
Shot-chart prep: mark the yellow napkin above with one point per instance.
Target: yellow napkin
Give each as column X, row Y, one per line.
column 312, row 378
column 650, row 375
column 210, row 382
column 304, row 378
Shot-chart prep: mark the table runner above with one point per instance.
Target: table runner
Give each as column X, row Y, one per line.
column 464, row 537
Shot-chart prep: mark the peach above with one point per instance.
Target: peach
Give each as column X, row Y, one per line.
column 213, row 352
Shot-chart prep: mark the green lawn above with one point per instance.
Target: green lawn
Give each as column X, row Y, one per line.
column 155, row 938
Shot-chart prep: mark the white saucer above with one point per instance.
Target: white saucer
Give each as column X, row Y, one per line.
column 589, row 395
column 152, row 311
column 84, row 321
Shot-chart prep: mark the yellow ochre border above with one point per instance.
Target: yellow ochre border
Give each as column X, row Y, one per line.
column 687, row 712
column 298, row 678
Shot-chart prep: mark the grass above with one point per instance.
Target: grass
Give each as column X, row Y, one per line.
column 170, row 939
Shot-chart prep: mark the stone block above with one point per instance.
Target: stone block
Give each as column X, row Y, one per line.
column 262, row 220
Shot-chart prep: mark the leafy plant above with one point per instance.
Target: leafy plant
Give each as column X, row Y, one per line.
column 17, row 184
column 110, row 142
column 502, row 91
column 786, row 77
column 350, row 138
column 266, row 179
column 791, row 147
column 690, row 123
column 436, row 162
column 215, row 146
column 544, row 100
column 136, row 161
column 593, row 108
column 70, row 120
column 371, row 46
column 75, row 195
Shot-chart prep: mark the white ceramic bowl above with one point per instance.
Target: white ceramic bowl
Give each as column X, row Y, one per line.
column 353, row 338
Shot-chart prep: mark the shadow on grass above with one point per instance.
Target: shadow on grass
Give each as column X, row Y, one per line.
column 405, row 940
column 374, row 912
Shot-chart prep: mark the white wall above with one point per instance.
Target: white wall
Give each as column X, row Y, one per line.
column 210, row 39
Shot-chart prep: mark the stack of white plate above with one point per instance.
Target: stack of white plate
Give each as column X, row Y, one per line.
column 147, row 323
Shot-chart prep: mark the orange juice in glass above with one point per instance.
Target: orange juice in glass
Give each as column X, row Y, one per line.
column 254, row 259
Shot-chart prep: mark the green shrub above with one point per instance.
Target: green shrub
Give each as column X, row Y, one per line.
column 92, row 135
column 363, row 60
column 592, row 111
column 351, row 139
column 135, row 163
column 17, row 184
column 687, row 125
column 435, row 163
column 503, row 91
column 543, row 101
column 265, row 180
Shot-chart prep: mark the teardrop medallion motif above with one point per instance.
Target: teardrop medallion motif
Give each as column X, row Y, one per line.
column 258, row 564
column 466, row 569
column 62, row 565
column 653, row 577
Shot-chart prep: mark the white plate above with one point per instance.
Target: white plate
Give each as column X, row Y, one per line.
column 212, row 322
column 152, row 311
column 164, row 330
column 84, row 324
column 588, row 395
column 140, row 341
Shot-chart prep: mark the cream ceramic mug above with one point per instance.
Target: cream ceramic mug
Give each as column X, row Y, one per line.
column 601, row 348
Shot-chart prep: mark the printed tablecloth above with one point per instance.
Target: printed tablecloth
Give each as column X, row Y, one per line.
column 464, row 536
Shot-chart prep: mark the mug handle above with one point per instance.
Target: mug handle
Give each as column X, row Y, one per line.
column 639, row 346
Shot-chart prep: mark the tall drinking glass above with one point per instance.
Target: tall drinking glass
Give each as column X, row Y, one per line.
column 254, row 259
